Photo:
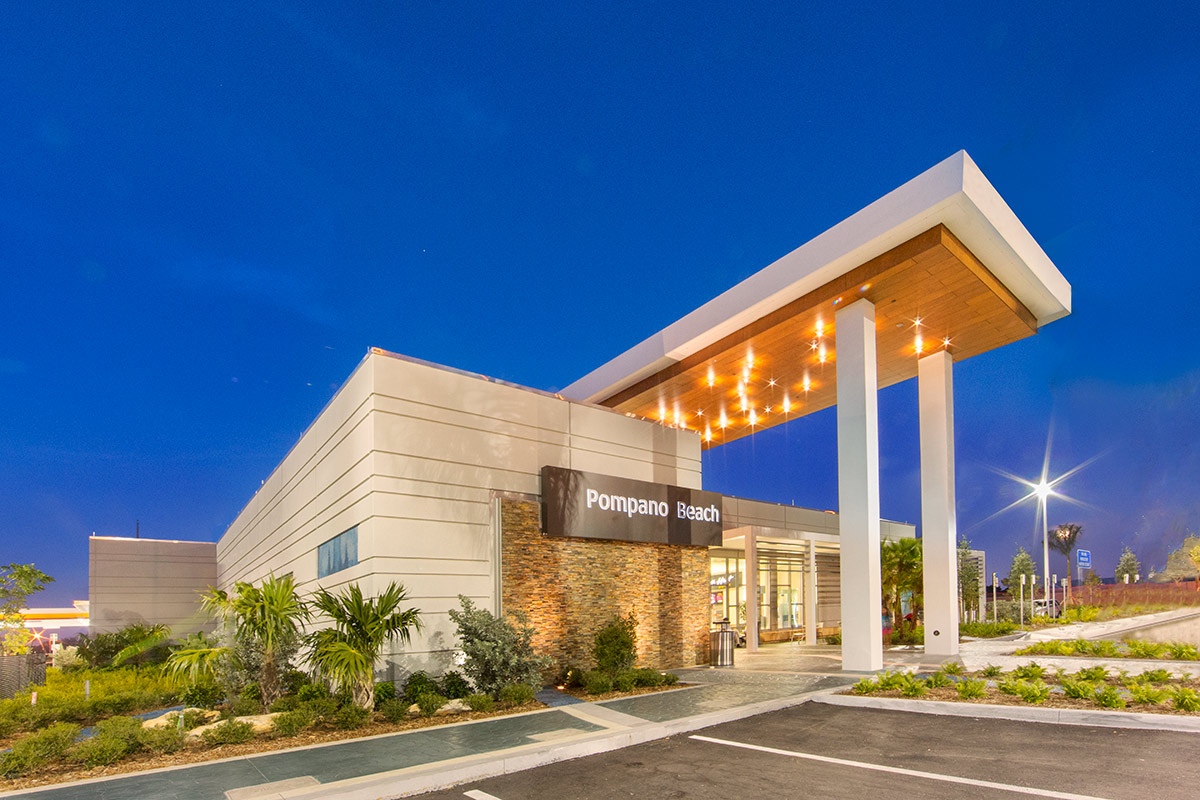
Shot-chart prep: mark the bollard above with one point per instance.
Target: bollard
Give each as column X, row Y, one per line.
column 87, row 689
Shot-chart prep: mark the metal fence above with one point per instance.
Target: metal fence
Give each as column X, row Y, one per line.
column 17, row 672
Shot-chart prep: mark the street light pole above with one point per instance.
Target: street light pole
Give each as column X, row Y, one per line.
column 1043, row 492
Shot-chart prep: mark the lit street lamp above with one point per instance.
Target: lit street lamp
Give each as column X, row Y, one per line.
column 1043, row 491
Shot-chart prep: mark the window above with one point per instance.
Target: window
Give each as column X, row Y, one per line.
column 338, row 553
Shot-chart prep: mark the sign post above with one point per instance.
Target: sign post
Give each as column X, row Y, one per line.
column 1083, row 561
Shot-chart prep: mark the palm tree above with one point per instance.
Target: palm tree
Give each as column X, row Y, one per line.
column 345, row 654
column 900, row 569
column 264, row 619
column 1063, row 539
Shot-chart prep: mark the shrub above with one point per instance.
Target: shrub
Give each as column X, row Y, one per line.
column 430, row 702
column 649, row 677
column 322, row 708
column 865, row 686
column 938, row 680
column 480, row 702
column 251, row 691
column 615, row 647
column 833, row 638
column 8, row 725
column 384, row 691
column 1139, row 649
column 245, row 707
column 1010, row 686
column 1029, row 671
column 293, row 680
column 289, row 702
column 971, row 688
column 202, row 695
column 1109, row 697
column 1183, row 651
column 115, row 738
column 596, row 682
column 394, row 709
column 891, row 680
column 1147, row 694
column 351, row 716
column 912, row 687
column 625, row 681
column 498, row 652
column 1159, row 675
column 39, row 749
column 419, row 683
column 1097, row 673
column 669, row 679
column 1077, row 690
column 952, row 668
column 986, row 630
column 990, row 671
column 517, row 694
column 166, row 739
column 1186, row 699
column 231, row 731
column 193, row 719
column 454, row 685
column 312, row 691
column 1034, row 691
column 290, row 723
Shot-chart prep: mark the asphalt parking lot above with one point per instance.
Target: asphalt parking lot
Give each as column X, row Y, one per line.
column 826, row 751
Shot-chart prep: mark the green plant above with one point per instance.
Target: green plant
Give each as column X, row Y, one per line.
column 430, row 702
column 625, row 681
column 351, row 716
column 971, row 688
column 1104, row 648
column 891, row 680
column 1077, row 689
column 17, row 583
column 312, row 691
column 290, row 723
column 517, row 694
column 1010, row 685
column 394, row 709
column 986, row 630
column 596, row 682
column 568, row 676
column 1186, row 699
column 252, row 691
column 37, row 750
column 231, row 731
column 912, row 687
column 323, row 708
column 991, row 671
column 952, row 668
column 244, row 707
column 498, row 652
column 480, row 702
column 1182, row 651
column 346, row 653
column 938, row 680
column 865, row 686
column 202, row 695
column 649, row 677
column 1029, row 671
column 1096, row 673
column 193, row 718
column 1109, row 697
column 166, row 739
column 1158, row 675
column 454, row 685
column 1034, row 691
column 1147, row 694
column 1140, row 649
column 419, row 683
column 384, row 691
column 289, row 702
column 115, row 738
column 669, row 679
column 900, row 576
column 615, row 647
column 833, row 638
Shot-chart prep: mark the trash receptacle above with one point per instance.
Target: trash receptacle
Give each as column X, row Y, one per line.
column 721, row 644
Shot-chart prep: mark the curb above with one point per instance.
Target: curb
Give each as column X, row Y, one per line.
column 1053, row 716
column 428, row 778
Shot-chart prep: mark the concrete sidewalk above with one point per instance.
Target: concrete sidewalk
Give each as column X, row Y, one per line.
column 410, row 762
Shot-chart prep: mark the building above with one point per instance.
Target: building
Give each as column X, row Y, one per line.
column 575, row 507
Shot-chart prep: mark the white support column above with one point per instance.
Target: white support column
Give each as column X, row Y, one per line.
column 751, row 590
column 939, row 531
column 858, row 487
column 810, row 596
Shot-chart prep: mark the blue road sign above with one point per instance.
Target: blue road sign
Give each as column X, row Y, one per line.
column 1085, row 559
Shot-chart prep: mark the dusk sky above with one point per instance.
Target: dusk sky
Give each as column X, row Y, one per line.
column 210, row 212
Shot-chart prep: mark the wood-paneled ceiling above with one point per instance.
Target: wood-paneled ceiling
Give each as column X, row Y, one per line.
column 784, row 365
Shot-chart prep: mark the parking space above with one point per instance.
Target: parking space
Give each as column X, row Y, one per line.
column 825, row 751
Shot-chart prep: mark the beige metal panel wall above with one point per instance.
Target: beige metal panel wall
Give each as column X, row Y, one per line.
column 148, row 580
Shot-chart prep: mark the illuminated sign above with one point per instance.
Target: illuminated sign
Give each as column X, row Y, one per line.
column 591, row 506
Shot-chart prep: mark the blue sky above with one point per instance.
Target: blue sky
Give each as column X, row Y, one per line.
column 210, row 213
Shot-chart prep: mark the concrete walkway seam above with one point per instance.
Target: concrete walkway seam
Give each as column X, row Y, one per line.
column 1054, row 716
column 417, row 780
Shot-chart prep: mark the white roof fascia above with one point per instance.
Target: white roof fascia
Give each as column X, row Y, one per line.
column 954, row 193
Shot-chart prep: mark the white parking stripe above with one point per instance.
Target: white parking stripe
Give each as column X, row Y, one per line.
column 475, row 794
column 933, row 776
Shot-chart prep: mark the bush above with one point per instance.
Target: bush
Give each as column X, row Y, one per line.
column 517, row 694
column 39, row 749
column 498, row 652
column 1159, row 675
column 669, row 679
column 289, row 702
column 1034, row 691
column 866, row 686
column 231, row 731
column 986, row 630
column 322, row 708
column 971, row 689
column 833, row 638
column 1183, row 651
column 290, row 723
column 1077, row 690
column 615, row 647
column 1186, row 699
column 419, row 683
column 293, row 681
column 202, row 695
column 455, row 686
column 166, row 739
column 244, row 707
column 1147, row 694
column 430, row 702
column 952, row 668
column 350, row 717
column 991, row 671
column 480, row 702
column 1029, row 671
column 596, row 682
column 891, row 680
column 1109, row 697
column 312, row 691
column 8, row 725
column 115, row 738
column 1097, row 673
column 384, row 691
column 193, row 719
column 394, row 709
column 251, row 691
column 625, row 681
column 938, row 680
column 649, row 677
column 1010, row 686
column 912, row 687
column 1139, row 649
